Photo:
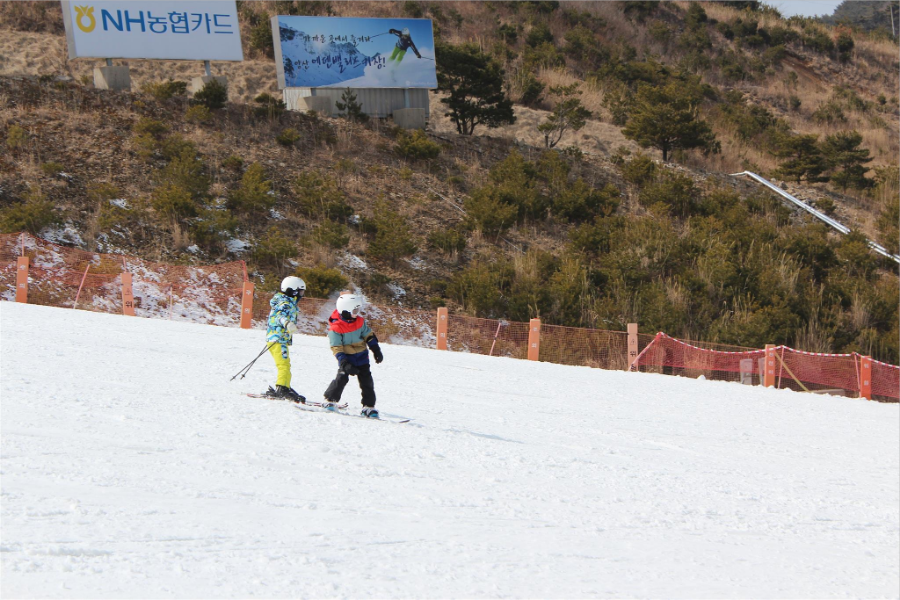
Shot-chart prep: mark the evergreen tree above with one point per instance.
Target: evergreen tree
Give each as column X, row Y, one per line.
column 668, row 117
column 888, row 224
column 638, row 10
column 351, row 108
column 568, row 114
column 253, row 197
column 842, row 151
column 803, row 156
column 475, row 84
column 393, row 236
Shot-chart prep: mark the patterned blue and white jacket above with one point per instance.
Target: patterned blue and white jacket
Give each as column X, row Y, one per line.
column 284, row 311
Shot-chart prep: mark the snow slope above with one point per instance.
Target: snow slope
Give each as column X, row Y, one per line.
column 133, row 468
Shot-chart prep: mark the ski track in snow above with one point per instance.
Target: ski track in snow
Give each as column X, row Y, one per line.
column 133, row 468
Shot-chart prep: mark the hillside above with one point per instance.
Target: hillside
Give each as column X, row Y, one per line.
column 516, row 479
column 600, row 234
column 868, row 15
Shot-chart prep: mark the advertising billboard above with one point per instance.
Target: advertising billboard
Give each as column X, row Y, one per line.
column 354, row 52
column 165, row 30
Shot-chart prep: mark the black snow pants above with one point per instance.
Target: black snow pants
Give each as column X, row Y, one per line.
column 366, row 384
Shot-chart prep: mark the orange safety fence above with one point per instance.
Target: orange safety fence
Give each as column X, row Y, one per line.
column 563, row 345
column 68, row 277
column 794, row 369
column 487, row 336
column 58, row 276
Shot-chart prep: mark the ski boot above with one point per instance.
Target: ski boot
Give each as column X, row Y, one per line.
column 330, row 405
column 370, row 412
column 289, row 394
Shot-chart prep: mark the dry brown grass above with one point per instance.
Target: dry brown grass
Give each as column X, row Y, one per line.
column 595, row 138
column 36, row 54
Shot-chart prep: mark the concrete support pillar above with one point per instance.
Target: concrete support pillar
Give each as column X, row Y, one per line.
column 197, row 83
column 410, row 118
column 320, row 104
column 112, row 78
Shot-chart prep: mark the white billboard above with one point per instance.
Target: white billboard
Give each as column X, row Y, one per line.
column 183, row 30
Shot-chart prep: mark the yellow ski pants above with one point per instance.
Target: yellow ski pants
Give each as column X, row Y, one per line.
column 282, row 363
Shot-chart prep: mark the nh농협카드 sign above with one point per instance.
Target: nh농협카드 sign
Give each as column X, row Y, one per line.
column 354, row 52
column 165, row 30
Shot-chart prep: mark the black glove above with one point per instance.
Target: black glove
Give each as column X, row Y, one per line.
column 349, row 368
column 378, row 355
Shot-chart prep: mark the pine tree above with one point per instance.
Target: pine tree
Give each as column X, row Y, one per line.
column 351, row 108
column 803, row 156
column 393, row 238
column 842, row 150
column 475, row 83
column 568, row 114
column 668, row 118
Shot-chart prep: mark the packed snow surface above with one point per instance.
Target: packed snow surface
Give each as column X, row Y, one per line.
column 133, row 468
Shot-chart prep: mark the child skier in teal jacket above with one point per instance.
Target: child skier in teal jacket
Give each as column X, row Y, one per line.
column 351, row 339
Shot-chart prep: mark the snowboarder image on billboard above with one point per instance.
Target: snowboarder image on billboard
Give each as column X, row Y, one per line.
column 404, row 43
column 351, row 339
column 282, row 324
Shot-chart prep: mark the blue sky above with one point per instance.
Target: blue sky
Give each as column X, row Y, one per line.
column 804, row 8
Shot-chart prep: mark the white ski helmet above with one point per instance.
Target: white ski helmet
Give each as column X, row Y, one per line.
column 349, row 305
column 293, row 287
column 405, row 31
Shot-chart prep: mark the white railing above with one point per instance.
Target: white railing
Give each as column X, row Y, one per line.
column 819, row 215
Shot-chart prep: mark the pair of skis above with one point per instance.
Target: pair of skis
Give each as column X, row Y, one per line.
column 320, row 407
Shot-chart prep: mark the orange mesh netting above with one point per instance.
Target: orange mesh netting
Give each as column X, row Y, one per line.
column 588, row 347
column 487, row 336
column 885, row 380
column 57, row 275
column 794, row 369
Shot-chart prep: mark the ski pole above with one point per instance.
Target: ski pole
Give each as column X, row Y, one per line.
column 243, row 372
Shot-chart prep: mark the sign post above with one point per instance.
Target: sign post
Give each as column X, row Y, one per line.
column 22, row 279
column 127, row 295
column 247, row 305
column 442, row 328
column 150, row 29
column 865, row 377
column 534, row 339
column 771, row 359
column 632, row 344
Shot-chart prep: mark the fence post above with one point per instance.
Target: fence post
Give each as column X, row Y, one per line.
column 632, row 344
column 865, row 377
column 22, row 279
column 534, row 339
column 442, row 328
column 247, row 305
column 81, row 285
column 127, row 295
column 769, row 374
